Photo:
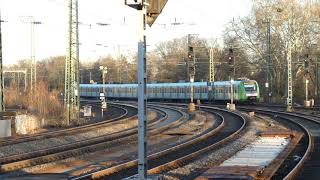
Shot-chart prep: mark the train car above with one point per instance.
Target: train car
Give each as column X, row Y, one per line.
column 244, row 91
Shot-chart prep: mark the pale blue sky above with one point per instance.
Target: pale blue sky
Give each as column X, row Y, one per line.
column 207, row 16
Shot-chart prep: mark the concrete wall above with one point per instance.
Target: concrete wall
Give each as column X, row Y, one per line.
column 25, row 124
column 5, row 128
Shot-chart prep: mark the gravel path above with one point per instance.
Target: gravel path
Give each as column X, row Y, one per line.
column 216, row 157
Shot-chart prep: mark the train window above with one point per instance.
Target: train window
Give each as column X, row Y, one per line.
column 249, row 86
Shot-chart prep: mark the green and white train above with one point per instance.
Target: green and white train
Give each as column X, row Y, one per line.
column 244, row 91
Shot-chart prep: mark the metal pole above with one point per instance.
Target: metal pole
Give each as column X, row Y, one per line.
column 25, row 81
column 191, row 98
column 269, row 88
column 67, row 94
column 18, row 83
column 192, row 80
column 191, row 64
column 2, row 107
column 231, row 89
column 289, row 99
column 317, row 80
column 119, row 64
column 233, row 77
column 211, row 74
column 307, row 81
column 142, row 100
column 77, row 65
column 90, row 75
column 211, row 67
column 103, row 82
column 269, row 63
column 32, row 70
column 72, row 98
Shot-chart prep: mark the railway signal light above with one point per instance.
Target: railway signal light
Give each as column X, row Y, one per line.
column 190, row 53
column 230, row 57
column 307, row 66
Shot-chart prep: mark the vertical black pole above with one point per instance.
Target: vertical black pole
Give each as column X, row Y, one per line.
column 2, row 108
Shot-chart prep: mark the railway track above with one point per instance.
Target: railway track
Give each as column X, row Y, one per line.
column 15, row 162
column 69, row 131
column 308, row 166
column 231, row 125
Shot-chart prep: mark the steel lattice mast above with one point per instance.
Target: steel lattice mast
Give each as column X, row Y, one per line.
column 33, row 68
column 2, row 107
column 211, row 72
column 211, row 67
column 289, row 64
column 72, row 101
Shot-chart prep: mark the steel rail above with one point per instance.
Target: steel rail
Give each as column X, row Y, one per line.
column 63, row 132
column 293, row 173
column 133, row 163
column 73, row 149
column 183, row 160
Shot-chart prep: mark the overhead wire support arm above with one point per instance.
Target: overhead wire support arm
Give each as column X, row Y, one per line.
column 18, row 72
column 33, row 63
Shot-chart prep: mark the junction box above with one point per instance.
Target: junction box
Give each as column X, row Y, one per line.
column 191, row 107
column 307, row 104
column 231, row 106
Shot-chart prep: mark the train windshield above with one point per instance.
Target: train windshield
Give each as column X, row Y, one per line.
column 250, row 86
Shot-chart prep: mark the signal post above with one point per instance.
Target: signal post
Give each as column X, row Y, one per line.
column 192, row 73
column 231, row 106
column 148, row 11
column 307, row 102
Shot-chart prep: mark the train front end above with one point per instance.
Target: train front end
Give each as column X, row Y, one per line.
column 252, row 91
